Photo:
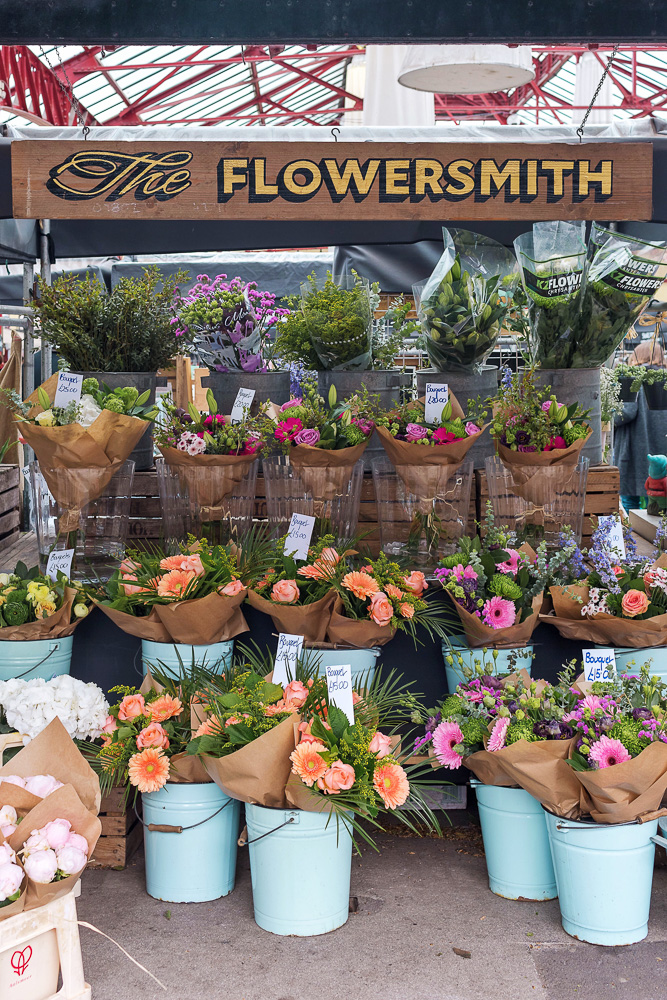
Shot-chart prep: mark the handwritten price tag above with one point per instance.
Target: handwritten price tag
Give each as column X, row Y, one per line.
column 69, row 389
column 299, row 535
column 437, row 397
column 339, row 685
column 289, row 651
column 242, row 404
column 616, row 540
column 60, row 560
column 599, row 664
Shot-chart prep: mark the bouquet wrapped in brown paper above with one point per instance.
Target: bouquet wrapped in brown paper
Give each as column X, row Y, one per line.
column 45, row 609
column 427, row 455
column 323, row 440
column 56, row 848
column 194, row 597
column 309, row 620
column 626, row 791
column 183, row 769
column 496, row 589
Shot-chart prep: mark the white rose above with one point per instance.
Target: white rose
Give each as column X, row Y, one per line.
column 4, row 579
column 89, row 412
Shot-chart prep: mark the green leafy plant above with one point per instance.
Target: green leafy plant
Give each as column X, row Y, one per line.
column 339, row 319
column 131, row 329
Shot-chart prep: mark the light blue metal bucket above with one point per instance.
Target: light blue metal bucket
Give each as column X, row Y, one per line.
column 300, row 870
column 199, row 863
column 604, row 874
column 516, row 843
column 173, row 657
column 363, row 662
column 45, row 658
column 499, row 665
column 630, row 661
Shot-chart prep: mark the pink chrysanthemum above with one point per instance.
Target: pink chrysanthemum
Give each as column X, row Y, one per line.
column 498, row 613
column 497, row 737
column 447, row 736
column 607, row 752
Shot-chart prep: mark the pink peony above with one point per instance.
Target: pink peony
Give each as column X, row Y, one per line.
column 499, row 613
column 309, row 435
column 446, row 737
column 42, row 866
column 35, row 844
column 77, row 841
column 607, row 752
column 57, row 833
column 42, row 785
column 288, row 429
column 11, row 876
column 13, row 779
column 415, row 432
column 497, row 738
column 7, row 855
column 381, row 745
column 71, row 860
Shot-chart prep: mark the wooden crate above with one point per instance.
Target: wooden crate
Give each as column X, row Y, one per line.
column 10, row 505
column 602, row 496
column 122, row 832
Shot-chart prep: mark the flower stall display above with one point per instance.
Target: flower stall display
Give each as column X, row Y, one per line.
column 213, row 462
column 429, row 458
column 228, row 323
column 12, row 883
column 192, row 597
column 533, row 431
column 299, row 598
column 495, row 587
column 464, row 302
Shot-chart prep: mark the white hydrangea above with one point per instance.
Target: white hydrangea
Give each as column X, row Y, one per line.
column 31, row 705
column 89, row 411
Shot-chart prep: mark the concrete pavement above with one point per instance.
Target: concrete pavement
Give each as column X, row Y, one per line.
column 418, row 900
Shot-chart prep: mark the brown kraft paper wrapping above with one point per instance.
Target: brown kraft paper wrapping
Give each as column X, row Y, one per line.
column 54, row 752
column 103, row 446
column 530, row 484
column 540, row 768
column 623, row 792
column 224, row 473
column 14, row 795
column 64, row 803
column 564, row 602
column 325, row 472
column 149, row 627
column 258, row 772
column 607, row 630
column 204, row 620
column 56, row 626
column 479, row 635
column 359, row 633
column 309, row 620
column 299, row 796
column 426, row 471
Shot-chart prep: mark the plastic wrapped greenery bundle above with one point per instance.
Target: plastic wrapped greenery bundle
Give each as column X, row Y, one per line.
column 463, row 304
column 552, row 259
column 623, row 275
column 339, row 318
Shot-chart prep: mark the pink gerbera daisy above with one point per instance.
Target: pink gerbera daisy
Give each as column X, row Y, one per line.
column 511, row 566
column 499, row 613
column 607, row 752
column 497, row 737
column 446, row 738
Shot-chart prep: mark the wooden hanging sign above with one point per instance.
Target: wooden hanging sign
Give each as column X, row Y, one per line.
column 295, row 181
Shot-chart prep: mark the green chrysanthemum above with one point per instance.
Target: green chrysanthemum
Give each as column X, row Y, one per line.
column 504, row 586
column 522, row 730
column 627, row 730
column 474, row 732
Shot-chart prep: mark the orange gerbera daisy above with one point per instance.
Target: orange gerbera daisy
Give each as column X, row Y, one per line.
column 175, row 583
column 361, row 584
column 209, row 727
column 163, row 708
column 307, row 763
column 392, row 785
column 148, row 770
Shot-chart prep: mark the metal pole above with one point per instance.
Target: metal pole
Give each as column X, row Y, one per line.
column 45, row 277
column 28, row 338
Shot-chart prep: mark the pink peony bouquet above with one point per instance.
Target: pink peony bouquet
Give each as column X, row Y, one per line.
column 11, row 876
column 54, row 852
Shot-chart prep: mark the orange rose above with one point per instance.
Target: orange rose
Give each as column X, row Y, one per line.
column 416, row 583
column 407, row 611
column 380, row 609
column 634, row 603
column 153, row 736
column 187, row 564
column 233, row 588
column 131, row 706
column 285, row 592
column 338, row 778
column 393, row 591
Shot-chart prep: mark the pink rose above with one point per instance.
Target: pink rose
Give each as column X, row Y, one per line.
column 546, row 405
column 285, row 592
column 338, row 778
column 71, row 860
column 289, row 403
column 110, row 725
column 41, row 867
column 380, row 744
column 365, row 426
column 153, row 736
column 415, row 432
column 56, row 833
column 42, row 785
column 288, row 429
column 131, row 706
column 295, row 694
column 416, row 583
column 231, row 589
column 11, row 876
column 471, row 428
column 129, row 566
column 309, row 435
column 380, row 609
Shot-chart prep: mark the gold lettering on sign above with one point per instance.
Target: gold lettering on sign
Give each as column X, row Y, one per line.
column 114, row 174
